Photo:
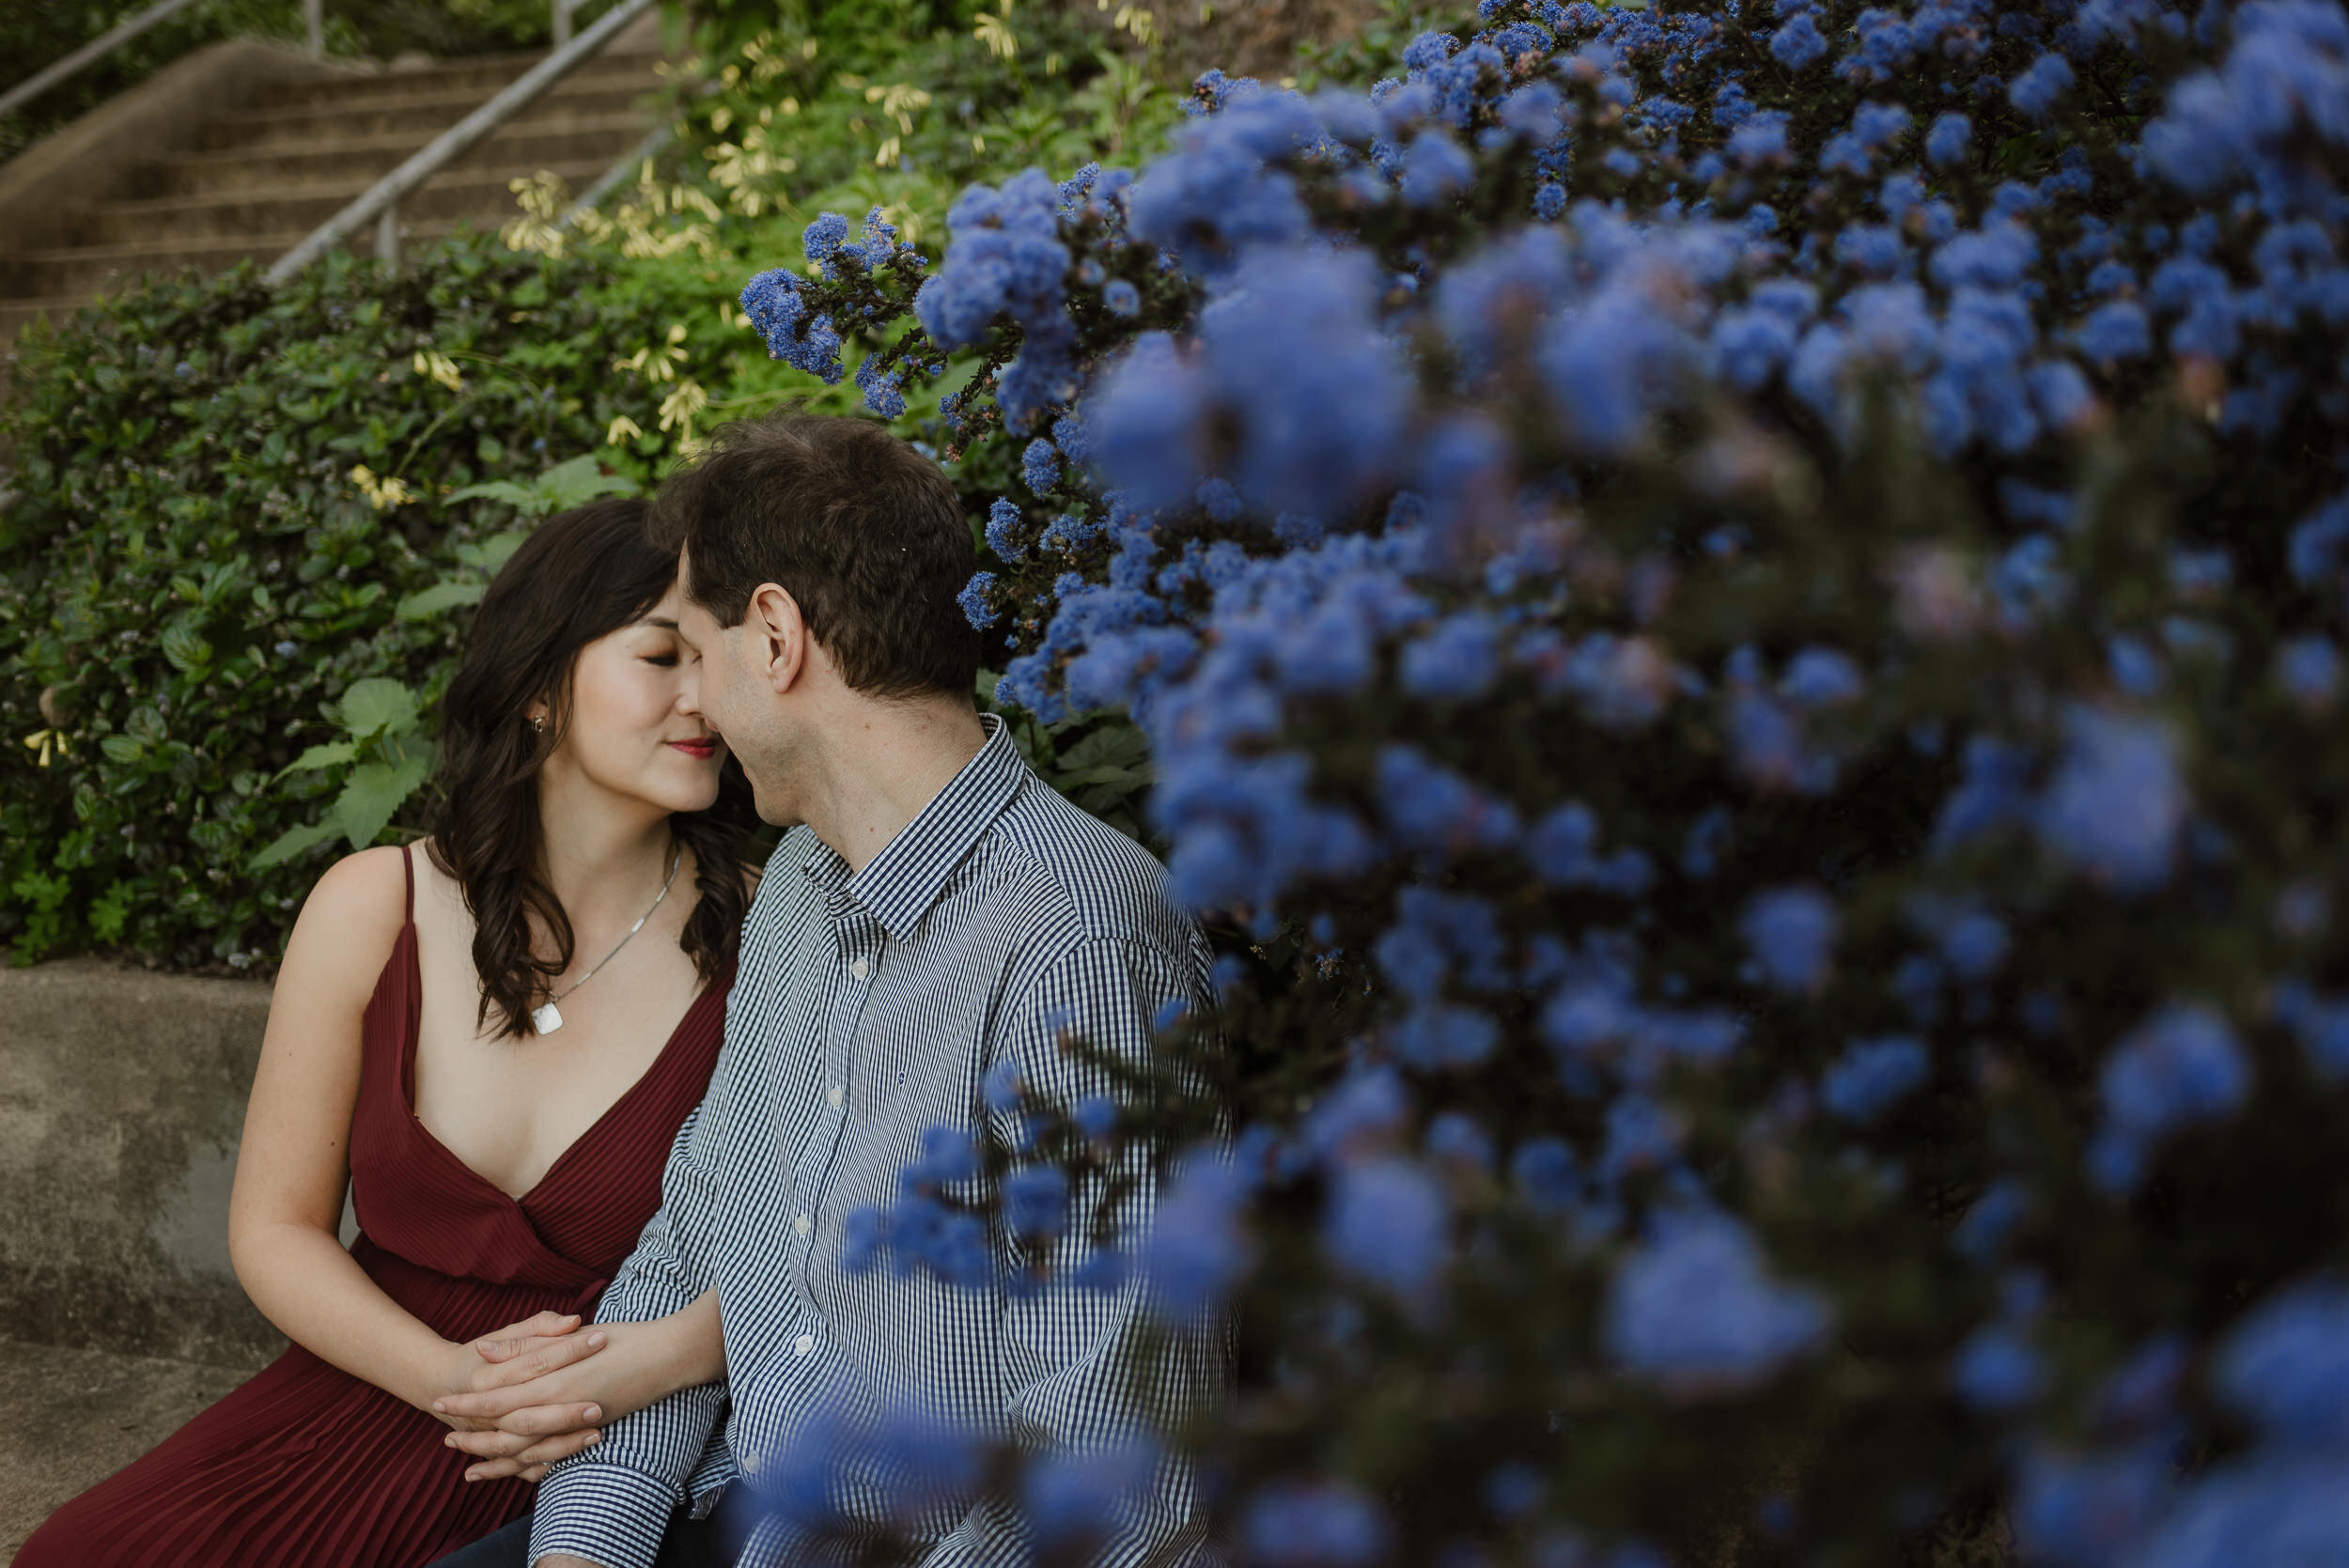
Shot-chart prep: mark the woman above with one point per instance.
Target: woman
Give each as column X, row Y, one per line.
column 492, row 1045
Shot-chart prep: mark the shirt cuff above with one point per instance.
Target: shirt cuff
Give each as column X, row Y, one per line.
column 602, row 1513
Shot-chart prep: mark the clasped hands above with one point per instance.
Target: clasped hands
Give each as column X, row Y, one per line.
column 528, row 1394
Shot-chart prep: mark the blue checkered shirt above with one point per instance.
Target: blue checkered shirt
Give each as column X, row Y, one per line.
column 867, row 1007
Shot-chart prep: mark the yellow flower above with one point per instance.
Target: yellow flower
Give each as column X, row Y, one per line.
column 48, row 741
column 432, row 362
column 998, row 38
column 623, row 428
column 381, row 494
column 543, row 197
column 677, row 409
column 899, row 100
column 656, row 362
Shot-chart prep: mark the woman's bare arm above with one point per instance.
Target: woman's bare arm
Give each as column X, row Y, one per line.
column 294, row 1163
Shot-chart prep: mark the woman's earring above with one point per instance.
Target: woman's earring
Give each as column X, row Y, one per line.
column 538, row 722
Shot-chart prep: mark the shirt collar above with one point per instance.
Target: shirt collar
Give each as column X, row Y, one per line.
column 899, row 884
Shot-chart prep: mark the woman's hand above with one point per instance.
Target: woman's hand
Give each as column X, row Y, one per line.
column 542, row 1404
column 516, row 1354
column 534, row 1402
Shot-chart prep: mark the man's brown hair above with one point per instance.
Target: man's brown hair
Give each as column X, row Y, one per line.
column 864, row 532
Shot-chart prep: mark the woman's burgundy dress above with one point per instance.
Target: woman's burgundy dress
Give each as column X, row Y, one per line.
column 305, row 1466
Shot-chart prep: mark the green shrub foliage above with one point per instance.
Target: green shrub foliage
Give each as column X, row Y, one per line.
column 193, row 578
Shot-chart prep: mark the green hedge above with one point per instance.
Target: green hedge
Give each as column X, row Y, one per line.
column 191, row 575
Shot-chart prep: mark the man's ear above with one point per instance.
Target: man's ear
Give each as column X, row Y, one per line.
column 778, row 635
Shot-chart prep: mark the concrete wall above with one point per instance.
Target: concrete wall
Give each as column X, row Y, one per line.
column 121, row 1096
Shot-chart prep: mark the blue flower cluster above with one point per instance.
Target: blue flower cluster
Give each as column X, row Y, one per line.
column 1738, row 613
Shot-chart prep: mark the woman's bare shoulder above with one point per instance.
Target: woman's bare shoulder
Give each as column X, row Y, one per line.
column 356, row 910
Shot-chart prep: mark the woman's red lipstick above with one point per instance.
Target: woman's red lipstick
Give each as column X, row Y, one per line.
column 700, row 751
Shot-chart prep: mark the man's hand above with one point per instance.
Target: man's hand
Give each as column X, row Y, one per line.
column 561, row 1559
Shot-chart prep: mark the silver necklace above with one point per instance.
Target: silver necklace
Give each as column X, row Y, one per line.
column 546, row 1018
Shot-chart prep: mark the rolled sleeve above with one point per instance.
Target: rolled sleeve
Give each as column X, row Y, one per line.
column 603, row 1514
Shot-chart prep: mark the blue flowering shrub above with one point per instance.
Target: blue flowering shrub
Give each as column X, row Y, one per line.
column 1738, row 611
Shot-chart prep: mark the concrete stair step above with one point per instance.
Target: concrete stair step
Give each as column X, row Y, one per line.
column 107, row 268
column 527, row 144
column 474, row 192
column 16, row 315
column 68, row 1418
column 253, row 181
column 479, row 76
column 428, row 113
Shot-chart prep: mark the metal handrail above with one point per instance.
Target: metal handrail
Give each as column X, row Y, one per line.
column 313, row 31
column 560, row 20
column 90, row 53
column 380, row 202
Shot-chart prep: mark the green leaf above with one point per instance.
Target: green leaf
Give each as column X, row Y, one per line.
column 1113, row 745
column 578, row 482
column 1131, row 778
column 498, row 490
column 185, row 648
column 122, row 748
column 378, row 705
column 315, row 757
column 441, row 597
column 293, row 842
column 375, row 790
column 494, row 552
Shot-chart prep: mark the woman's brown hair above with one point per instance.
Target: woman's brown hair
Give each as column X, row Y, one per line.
column 582, row 575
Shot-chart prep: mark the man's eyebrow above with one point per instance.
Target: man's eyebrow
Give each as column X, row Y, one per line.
column 659, row 623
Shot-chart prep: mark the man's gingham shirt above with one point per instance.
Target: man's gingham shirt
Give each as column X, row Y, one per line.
column 867, row 1007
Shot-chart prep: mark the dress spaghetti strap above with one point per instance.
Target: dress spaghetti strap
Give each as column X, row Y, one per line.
column 408, row 869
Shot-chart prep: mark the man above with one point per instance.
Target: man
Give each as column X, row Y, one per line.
column 936, row 915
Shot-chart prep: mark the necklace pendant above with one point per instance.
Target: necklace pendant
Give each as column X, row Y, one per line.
column 546, row 1018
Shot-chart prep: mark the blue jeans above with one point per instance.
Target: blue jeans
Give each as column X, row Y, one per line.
column 711, row 1543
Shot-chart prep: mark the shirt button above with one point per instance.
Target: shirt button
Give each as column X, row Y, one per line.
column 860, row 968
column 804, row 1224
column 750, row 1464
column 834, row 1096
column 802, row 1346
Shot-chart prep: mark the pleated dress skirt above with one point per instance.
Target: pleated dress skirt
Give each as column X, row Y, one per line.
column 307, row 1466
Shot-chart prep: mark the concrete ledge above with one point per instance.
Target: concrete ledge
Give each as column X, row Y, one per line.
column 68, row 1418
column 121, row 1097
column 42, row 187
